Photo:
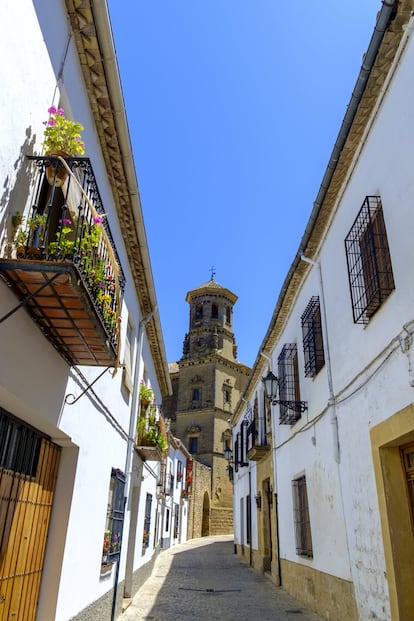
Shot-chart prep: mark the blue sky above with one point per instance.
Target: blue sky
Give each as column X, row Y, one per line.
column 233, row 109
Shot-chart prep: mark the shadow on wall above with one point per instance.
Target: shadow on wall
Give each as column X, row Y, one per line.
column 14, row 197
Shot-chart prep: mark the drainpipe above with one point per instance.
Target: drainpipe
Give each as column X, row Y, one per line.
column 331, row 400
column 131, row 438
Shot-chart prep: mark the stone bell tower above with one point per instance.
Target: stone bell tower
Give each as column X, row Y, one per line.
column 207, row 383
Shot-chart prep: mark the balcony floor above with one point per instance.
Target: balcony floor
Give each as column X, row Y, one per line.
column 63, row 309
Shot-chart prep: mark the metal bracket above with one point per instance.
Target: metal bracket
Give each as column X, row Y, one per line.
column 75, row 399
column 28, row 298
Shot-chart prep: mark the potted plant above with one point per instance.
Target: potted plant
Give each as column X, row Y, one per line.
column 63, row 246
column 146, row 394
column 62, row 137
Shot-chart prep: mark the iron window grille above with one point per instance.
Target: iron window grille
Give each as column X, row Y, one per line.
column 19, row 445
column 371, row 279
column 301, row 518
column 312, row 338
column 115, row 514
column 147, row 522
column 289, row 389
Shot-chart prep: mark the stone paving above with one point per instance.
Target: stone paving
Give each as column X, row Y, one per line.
column 202, row 580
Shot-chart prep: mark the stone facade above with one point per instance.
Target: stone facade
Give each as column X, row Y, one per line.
column 207, row 385
column 199, row 508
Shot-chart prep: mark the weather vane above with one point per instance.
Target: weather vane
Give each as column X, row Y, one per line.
column 213, row 272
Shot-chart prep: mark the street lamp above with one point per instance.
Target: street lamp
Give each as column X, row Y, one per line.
column 271, row 383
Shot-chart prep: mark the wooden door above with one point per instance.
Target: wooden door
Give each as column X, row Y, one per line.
column 26, row 496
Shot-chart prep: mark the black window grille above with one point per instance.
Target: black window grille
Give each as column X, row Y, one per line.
column 176, row 520
column 251, row 435
column 147, row 522
column 312, row 338
column 301, row 518
column 236, row 453
column 248, row 520
column 289, row 389
column 243, row 443
column 371, row 279
column 19, row 445
column 115, row 515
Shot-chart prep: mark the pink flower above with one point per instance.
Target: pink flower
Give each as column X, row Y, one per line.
column 61, row 112
column 51, row 122
column 52, row 110
column 97, row 220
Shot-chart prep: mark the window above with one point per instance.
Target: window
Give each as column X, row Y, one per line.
column 199, row 311
column 196, row 394
column 167, row 520
column 19, row 445
column 115, row 516
column 228, row 314
column 227, row 395
column 243, row 443
column 370, row 273
column 176, row 519
column 214, row 311
column 193, row 444
column 312, row 338
column 289, row 390
column 147, row 522
column 248, row 520
column 301, row 518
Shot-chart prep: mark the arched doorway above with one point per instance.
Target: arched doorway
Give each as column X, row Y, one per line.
column 205, row 524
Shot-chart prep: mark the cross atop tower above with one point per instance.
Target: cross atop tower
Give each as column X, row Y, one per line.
column 213, row 272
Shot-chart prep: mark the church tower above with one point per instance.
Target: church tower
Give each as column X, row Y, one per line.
column 207, row 383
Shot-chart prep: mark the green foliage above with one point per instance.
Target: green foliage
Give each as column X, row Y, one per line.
column 146, row 393
column 149, row 434
column 61, row 134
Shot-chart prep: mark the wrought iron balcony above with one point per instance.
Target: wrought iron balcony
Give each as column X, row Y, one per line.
column 257, row 447
column 63, row 265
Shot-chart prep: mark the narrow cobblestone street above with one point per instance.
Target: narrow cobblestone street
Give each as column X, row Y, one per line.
column 203, row 579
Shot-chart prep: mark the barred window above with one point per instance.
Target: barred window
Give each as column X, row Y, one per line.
column 147, row 523
column 19, row 445
column 301, row 518
column 289, row 389
column 371, row 279
column 312, row 338
column 114, row 516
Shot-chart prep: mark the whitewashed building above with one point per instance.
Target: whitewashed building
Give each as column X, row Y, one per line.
column 173, row 494
column 340, row 343
column 74, row 347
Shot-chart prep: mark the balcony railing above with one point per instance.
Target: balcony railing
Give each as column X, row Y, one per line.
column 257, row 446
column 63, row 265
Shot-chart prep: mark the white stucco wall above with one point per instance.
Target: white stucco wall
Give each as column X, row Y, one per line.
column 33, row 388
column 370, row 373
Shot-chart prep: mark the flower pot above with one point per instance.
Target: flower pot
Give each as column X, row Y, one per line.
column 61, row 172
